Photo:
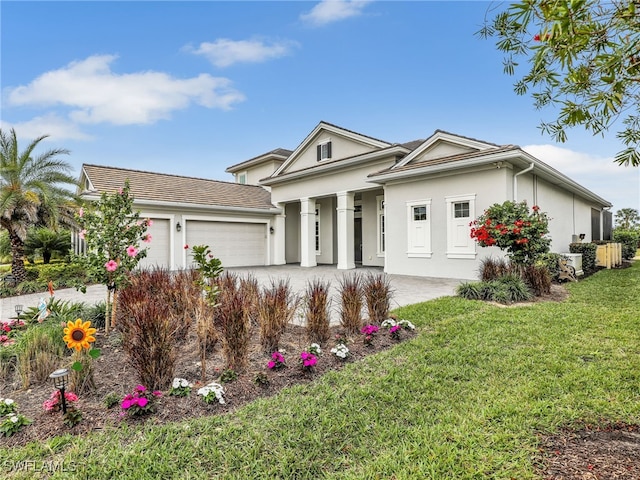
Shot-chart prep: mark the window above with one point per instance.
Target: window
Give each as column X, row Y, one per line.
column 317, row 234
column 242, row 178
column 380, row 225
column 460, row 212
column 419, row 228
column 324, row 151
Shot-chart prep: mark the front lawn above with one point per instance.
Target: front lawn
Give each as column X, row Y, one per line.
column 469, row 397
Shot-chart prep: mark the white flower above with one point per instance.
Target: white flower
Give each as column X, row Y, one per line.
column 213, row 388
column 406, row 324
column 181, row 383
column 13, row 417
column 8, row 401
column 340, row 351
column 388, row 323
column 315, row 349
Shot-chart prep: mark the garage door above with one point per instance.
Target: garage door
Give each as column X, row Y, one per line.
column 158, row 248
column 235, row 244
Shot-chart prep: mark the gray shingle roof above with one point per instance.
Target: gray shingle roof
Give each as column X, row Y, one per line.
column 278, row 152
column 178, row 189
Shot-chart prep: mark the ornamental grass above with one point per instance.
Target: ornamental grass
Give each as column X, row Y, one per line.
column 250, row 291
column 351, row 303
column 233, row 324
column 150, row 326
column 377, row 294
column 277, row 308
column 317, row 312
column 38, row 353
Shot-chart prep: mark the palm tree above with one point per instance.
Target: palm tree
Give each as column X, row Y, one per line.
column 46, row 242
column 627, row 218
column 31, row 193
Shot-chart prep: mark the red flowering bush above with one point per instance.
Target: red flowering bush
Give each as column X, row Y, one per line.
column 512, row 227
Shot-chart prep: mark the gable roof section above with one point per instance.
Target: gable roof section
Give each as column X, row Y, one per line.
column 280, row 154
column 170, row 189
column 328, row 127
column 442, row 136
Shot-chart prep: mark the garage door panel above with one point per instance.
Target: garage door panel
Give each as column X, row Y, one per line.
column 158, row 254
column 236, row 244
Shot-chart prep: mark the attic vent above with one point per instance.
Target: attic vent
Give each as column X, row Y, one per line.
column 324, row 151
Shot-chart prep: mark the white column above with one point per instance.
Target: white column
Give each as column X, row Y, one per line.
column 279, row 233
column 307, row 232
column 346, row 253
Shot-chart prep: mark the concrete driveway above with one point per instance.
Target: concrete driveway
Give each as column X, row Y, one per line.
column 406, row 289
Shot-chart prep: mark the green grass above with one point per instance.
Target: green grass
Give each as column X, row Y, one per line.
column 467, row 398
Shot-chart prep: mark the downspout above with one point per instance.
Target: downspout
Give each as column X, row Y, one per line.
column 515, row 181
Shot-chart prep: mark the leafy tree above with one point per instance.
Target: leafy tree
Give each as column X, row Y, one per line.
column 627, row 219
column 584, row 59
column 511, row 227
column 45, row 242
column 112, row 232
column 31, row 192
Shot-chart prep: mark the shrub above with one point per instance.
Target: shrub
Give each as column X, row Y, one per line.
column 508, row 289
column 233, row 324
column 629, row 240
column 537, row 278
column 251, row 294
column 377, row 293
column 184, row 298
column 351, row 303
column 588, row 251
column 277, row 308
column 317, row 311
column 149, row 327
column 552, row 262
column 493, row 268
column 471, row 290
column 39, row 352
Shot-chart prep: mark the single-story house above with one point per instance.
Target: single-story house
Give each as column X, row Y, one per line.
column 348, row 199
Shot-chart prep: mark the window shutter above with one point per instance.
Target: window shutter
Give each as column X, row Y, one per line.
column 329, row 150
column 319, row 151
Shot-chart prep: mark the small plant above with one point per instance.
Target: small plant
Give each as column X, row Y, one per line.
column 140, row 402
column 7, row 406
column 111, row 400
column 317, row 311
column 377, row 293
column 392, row 322
column 308, row 361
column 340, row 351
column 180, row 387
column 341, row 338
column 277, row 361
column 395, row 332
column 351, row 303
column 12, row 423
column 369, row 331
column 315, row 349
column 72, row 418
column 53, row 404
column 261, row 379
column 212, row 393
column 228, row 376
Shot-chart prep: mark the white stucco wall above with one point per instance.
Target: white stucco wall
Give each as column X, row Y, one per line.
column 263, row 170
column 327, row 214
column 443, row 149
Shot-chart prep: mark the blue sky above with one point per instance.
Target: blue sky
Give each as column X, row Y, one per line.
column 192, row 87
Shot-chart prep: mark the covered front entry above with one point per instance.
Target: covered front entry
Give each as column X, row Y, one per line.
column 236, row 244
column 343, row 229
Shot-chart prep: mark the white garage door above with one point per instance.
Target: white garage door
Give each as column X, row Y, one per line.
column 235, row 244
column 158, row 248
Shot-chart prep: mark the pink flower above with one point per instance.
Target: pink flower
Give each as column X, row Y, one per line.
column 142, row 402
column 141, row 388
column 120, row 191
column 149, row 222
column 146, row 238
column 126, row 403
column 81, row 212
column 157, row 393
column 271, row 364
column 111, row 266
column 82, row 233
column 132, row 251
column 186, row 246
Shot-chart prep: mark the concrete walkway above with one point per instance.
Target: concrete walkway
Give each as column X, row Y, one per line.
column 406, row 289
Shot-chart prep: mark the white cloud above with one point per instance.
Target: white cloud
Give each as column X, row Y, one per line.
column 96, row 94
column 619, row 185
column 224, row 52
column 51, row 124
column 329, row 11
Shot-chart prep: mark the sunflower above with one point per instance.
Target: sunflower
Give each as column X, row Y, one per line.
column 78, row 335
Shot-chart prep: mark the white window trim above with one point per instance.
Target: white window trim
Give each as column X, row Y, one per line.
column 380, row 213
column 419, row 252
column 318, row 231
column 453, row 252
column 246, row 177
column 321, row 144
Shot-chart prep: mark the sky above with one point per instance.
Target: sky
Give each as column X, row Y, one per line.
column 190, row 88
